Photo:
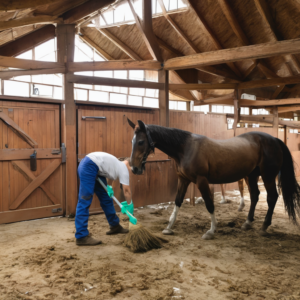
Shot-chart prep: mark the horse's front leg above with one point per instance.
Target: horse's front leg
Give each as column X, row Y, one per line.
column 181, row 190
column 241, row 188
column 208, row 197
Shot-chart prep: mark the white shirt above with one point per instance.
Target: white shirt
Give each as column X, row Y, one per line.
column 110, row 167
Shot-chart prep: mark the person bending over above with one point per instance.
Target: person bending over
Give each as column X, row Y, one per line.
column 102, row 165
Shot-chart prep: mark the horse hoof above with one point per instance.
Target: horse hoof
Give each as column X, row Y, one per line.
column 241, row 207
column 246, row 226
column 168, row 232
column 223, row 201
column 208, row 236
column 262, row 233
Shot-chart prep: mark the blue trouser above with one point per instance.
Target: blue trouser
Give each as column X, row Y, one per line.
column 88, row 172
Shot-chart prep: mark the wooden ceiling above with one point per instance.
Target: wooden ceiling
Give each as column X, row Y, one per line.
column 207, row 25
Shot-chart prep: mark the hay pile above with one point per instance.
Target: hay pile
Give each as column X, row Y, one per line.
column 140, row 239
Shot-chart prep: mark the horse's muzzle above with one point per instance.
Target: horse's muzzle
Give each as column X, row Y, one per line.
column 137, row 171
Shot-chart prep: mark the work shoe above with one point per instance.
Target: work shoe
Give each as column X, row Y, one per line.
column 87, row 241
column 117, row 229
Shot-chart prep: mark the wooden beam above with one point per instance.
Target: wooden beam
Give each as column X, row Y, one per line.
column 237, row 115
column 145, row 28
column 265, row 13
column 234, row 54
column 13, row 73
column 113, row 65
column 228, row 99
column 269, row 82
column 65, row 52
column 92, row 44
column 113, row 82
column 83, row 10
column 275, row 121
column 23, row 154
column 120, row 44
column 266, row 119
column 212, row 37
column 29, row 21
column 278, row 90
column 7, row 5
column 284, row 109
column 163, row 98
column 168, row 48
column 264, row 103
column 204, row 86
column 28, row 41
column 12, row 62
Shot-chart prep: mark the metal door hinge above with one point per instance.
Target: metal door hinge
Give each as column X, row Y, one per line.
column 56, row 210
column 63, row 153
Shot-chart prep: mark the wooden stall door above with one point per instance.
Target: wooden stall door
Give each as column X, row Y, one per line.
column 26, row 193
column 106, row 129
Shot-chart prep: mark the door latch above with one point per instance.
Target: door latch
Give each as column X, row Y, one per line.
column 56, row 210
column 33, row 161
column 63, row 153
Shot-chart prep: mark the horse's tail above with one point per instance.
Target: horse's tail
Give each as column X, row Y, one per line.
column 288, row 184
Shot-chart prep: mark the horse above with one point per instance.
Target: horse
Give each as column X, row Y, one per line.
column 205, row 161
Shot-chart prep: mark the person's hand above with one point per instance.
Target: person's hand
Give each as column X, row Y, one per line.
column 127, row 207
column 110, row 191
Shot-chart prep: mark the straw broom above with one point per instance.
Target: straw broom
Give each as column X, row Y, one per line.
column 139, row 238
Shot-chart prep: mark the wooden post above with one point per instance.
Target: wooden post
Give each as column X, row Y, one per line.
column 163, row 98
column 65, row 53
column 275, row 121
column 237, row 110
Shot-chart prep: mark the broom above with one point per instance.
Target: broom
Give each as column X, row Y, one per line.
column 139, row 238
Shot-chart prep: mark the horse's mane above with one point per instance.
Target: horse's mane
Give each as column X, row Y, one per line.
column 171, row 136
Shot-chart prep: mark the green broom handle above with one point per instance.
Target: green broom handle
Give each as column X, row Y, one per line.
column 115, row 199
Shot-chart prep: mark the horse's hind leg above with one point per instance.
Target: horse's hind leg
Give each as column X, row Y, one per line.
column 272, row 197
column 241, row 188
column 223, row 194
column 254, row 195
column 181, row 190
column 208, row 197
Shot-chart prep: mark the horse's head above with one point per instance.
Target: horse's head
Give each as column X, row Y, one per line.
column 142, row 145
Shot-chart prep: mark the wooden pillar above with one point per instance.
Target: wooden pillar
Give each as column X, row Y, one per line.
column 65, row 53
column 188, row 106
column 275, row 121
column 237, row 110
column 163, row 98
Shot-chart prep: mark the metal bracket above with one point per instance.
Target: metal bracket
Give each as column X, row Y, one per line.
column 87, row 117
column 56, row 210
column 63, row 153
column 56, row 151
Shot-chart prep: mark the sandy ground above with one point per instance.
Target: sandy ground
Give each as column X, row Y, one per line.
column 39, row 259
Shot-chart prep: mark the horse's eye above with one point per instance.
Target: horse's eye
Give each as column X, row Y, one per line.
column 141, row 143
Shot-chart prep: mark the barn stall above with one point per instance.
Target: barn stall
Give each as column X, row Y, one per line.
column 72, row 72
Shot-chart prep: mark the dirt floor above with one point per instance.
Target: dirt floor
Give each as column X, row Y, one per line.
column 39, row 259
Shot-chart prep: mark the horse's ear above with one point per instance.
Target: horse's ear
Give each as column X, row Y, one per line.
column 142, row 125
column 131, row 123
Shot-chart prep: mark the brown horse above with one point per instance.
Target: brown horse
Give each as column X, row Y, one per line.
column 205, row 161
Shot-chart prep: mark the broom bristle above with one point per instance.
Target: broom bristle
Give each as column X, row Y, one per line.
column 140, row 239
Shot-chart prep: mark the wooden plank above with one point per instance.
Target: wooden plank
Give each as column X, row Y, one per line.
column 96, row 47
column 19, row 63
column 113, row 82
column 21, row 154
column 23, row 169
column 114, row 65
column 9, row 122
column 66, row 48
column 31, row 20
column 31, row 99
column 120, row 44
column 28, row 41
column 83, row 10
column 275, row 121
column 264, row 103
column 12, row 73
column 284, row 109
column 163, row 98
column 206, row 86
column 234, row 54
column 35, row 184
column 7, row 5
column 228, row 97
column 27, row 214
column 145, row 28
